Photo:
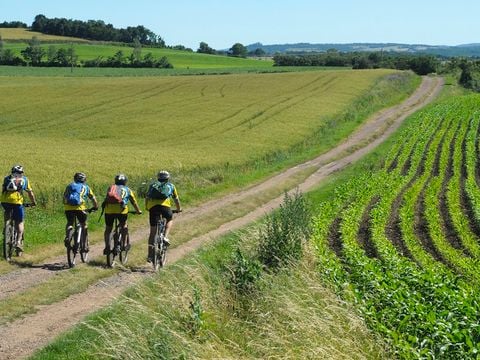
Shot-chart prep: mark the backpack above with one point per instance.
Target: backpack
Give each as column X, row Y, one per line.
column 116, row 194
column 160, row 190
column 12, row 183
column 74, row 194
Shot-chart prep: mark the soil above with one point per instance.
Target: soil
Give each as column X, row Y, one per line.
column 24, row 336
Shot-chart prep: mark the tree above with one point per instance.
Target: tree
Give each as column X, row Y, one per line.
column 238, row 50
column 205, row 49
column 258, row 52
column 33, row 54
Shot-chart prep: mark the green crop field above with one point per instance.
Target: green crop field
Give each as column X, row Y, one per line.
column 138, row 125
column 404, row 239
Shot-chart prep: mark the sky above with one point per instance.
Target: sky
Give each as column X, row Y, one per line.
column 223, row 23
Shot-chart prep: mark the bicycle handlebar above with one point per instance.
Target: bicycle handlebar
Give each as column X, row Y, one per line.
column 92, row 209
column 29, row 205
column 176, row 211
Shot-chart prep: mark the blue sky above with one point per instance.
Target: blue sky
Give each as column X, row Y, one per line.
column 223, row 23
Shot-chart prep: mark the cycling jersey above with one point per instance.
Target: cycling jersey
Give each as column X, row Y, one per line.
column 118, row 208
column 15, row 197
column 163, row 202
column 88, row 193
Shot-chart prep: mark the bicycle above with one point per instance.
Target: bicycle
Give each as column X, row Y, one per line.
column 77, row 242
column 159, row 245
column 118, row 244
column 10, row 239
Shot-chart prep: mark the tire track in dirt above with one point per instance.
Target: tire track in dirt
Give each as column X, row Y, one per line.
column 22, row 337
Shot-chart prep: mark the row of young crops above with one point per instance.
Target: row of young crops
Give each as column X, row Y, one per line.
column 403, row 243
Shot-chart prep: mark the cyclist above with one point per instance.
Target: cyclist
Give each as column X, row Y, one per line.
column 12, row 199
column 75, row 203
column 158, row 202
column 116, row 207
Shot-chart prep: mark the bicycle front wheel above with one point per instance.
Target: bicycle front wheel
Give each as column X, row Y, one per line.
column 124, row 248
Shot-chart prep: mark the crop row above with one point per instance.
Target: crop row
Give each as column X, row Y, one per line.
column 403, row 242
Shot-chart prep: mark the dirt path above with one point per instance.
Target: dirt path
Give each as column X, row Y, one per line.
column 22, row 337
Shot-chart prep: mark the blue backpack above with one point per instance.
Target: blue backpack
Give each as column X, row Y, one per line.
column 74, row 194
column 160, row 190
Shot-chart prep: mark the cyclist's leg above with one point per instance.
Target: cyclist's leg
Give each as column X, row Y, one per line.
column 70, row 216
column 153, row 219
column 18, row 215
column 82, row 220
column 109, row 218
column 168, row 215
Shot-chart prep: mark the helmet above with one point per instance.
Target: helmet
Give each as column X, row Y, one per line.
column 121, row 179
column 163, row 175
column 79, row 177
column 17, row 169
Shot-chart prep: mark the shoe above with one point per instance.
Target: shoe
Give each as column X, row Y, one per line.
column 105, row 251
column 127, row 247
column 149, row 260
column 166, row 241
column 18, row 250
column 117, row 249
column 66, row 242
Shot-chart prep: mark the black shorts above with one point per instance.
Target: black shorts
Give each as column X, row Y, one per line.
column 110, row 218
column 158, row 210
column 79, row 214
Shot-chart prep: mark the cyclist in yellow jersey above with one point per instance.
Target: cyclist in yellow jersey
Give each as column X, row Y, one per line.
column 75, row 202
column 116, row 207
column 157, row 204
column 12, row 199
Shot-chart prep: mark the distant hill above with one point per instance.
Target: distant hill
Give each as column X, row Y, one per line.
column 441, row 50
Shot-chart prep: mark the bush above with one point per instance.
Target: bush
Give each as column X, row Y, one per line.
column 281, row 240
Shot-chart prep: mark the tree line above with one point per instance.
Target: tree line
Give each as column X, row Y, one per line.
column 420, row 64
column 36, row 55
column 96, row 30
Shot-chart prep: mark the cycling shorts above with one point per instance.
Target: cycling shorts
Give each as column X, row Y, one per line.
column 110, row 218
column 158, row 210
column 79, row 214
column 18, row 211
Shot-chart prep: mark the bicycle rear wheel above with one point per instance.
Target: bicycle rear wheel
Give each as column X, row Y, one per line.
column 160, row 249
column 111, row 249
column 71, row 251
column 124, row 247
column 84, row 248
column 8, row 240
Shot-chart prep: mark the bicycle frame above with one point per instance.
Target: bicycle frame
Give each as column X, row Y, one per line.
column 159, row 248
column 77, row 242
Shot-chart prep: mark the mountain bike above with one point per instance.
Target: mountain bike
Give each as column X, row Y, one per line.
column 76, row 242
column 159, row 245
column 10, row 239
column 118, row 244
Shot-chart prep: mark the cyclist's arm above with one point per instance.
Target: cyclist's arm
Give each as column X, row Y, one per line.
column 177, row 204
column 31, row 196
column 92, row 198
column 133, row 199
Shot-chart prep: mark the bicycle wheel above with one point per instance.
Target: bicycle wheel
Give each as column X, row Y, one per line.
column 124, row 247
column 71, row 251
column 111, row 249
column 8, row 240
column 84, row 248
column 159, row 253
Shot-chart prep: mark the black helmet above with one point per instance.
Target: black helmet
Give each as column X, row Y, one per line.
column 163, row 175
column 121, row 179
column 17, row 169
column 79, row 177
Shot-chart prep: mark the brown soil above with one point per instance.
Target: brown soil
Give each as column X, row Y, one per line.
column 364, row 234
column 22, row 337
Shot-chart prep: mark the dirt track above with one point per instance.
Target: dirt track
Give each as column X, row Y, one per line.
column 22, row 337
